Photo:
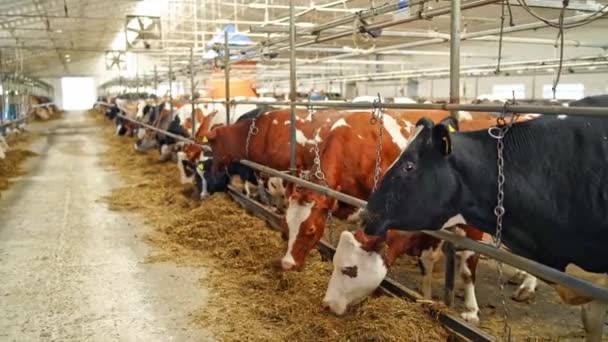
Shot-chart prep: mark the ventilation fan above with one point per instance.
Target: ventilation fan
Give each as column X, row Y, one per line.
column 363, row 37
column 116, row 60
column 143, row 33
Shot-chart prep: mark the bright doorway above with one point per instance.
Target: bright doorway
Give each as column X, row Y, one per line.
column 77, row 93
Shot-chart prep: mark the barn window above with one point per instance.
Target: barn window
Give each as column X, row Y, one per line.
column 565, row 91
column 505, row 91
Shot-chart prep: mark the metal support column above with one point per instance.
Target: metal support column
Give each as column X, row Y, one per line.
column 227, row 76
column 455, row 55
column 450, row 254
column 192, row 90
column 292, row 87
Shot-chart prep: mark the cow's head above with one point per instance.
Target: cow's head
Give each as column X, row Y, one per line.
column 224, row 145
column 305, row 223
column 361, row 262
column 205, row 181
column 419, row 191
column 358, row 270
column 146, row 140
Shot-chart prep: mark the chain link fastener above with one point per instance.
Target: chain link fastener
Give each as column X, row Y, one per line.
column 318, row 172
column 378, row 117
column 253, row 130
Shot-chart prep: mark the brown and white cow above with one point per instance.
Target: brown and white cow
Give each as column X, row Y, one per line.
column 270, row 145
column 348, row 160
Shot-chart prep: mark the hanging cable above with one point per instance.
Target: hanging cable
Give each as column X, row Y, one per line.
column 511, row 21
column 500, row 37
column 560, row 36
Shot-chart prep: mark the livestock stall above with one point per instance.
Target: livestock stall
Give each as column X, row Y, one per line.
column 310, row 117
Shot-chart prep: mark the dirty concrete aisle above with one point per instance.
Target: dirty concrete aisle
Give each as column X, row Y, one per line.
column 70, row 269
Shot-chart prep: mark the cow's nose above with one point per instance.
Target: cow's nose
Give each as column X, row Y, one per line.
column 287, row 265
column 326, row 307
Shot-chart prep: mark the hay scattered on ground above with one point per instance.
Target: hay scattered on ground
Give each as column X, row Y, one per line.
column 11, row 166
column 251, row 298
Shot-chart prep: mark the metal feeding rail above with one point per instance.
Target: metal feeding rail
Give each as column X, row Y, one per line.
column 389, row 286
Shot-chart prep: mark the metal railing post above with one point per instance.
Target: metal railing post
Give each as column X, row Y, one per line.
column 292, row 87
column 450, row 253
column 170, row 87
column 192, row 90
column 227, row 76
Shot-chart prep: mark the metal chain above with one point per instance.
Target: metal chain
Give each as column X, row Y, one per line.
column 317, row 161
column 253, row 130
column 498, row 132
column 378, row 117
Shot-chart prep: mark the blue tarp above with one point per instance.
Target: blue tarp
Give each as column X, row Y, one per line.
column 236, row 40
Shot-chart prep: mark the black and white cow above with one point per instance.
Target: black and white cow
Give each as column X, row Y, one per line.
column 161, row 118
column 556, row 194
column 208, row 183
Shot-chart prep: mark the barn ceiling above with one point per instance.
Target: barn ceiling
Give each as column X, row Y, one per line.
column 52, row 38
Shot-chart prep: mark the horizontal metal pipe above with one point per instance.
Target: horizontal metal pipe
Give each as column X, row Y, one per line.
column 541, row 41
column 429, row 14
column 471, row 70
column 542, row 62
column 544, row 272
column 349, row 19
column 444, row 39
column 507, row 108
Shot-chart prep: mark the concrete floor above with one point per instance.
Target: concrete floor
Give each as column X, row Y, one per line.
column 70, row 269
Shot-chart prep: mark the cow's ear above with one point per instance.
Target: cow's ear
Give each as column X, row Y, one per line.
column 451, row 123
column 442, row 140
column 426, row 122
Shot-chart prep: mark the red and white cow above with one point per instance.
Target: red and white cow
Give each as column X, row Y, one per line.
column 270, row 146
column 348, row 160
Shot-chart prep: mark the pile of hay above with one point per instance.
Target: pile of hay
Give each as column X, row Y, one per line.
column 11, row 166
column 250, row 297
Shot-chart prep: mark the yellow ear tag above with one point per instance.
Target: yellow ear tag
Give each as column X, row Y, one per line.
column 451, row 129
column 205, row 139
column 447, row 144
column 201, row 166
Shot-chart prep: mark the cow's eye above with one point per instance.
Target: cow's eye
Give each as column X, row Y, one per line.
column 409, row 167
column 350, row 271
